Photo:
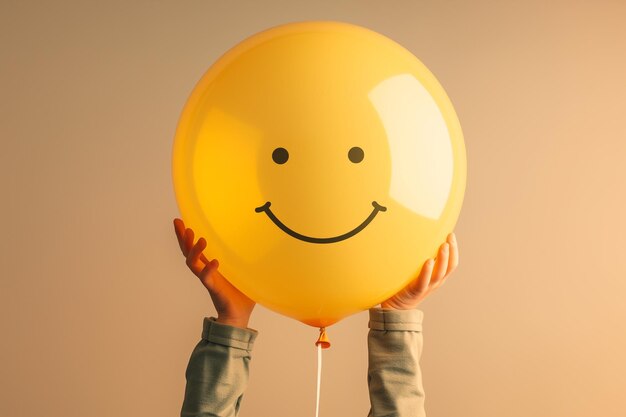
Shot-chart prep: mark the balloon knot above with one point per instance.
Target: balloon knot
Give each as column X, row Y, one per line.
column 323, row 339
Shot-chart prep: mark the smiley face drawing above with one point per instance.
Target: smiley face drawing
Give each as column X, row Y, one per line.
column 323, row 163
column 280, row 156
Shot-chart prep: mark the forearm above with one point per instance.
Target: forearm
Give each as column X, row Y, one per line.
column 394, row 377
column 217, row 373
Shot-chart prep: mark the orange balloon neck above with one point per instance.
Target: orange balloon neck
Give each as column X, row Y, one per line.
column 323, row 340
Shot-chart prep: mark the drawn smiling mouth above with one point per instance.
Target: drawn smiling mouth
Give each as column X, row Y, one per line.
column 266, row 208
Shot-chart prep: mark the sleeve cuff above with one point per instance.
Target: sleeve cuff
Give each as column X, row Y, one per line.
column 387, row 319
column 224, row 334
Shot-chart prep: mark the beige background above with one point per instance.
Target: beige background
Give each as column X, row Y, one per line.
column 100, row 314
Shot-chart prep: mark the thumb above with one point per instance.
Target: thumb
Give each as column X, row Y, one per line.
column 207, row 274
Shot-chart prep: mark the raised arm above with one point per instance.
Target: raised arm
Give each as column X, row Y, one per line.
column 394, row 377
column 395, row 341
column 217, row 373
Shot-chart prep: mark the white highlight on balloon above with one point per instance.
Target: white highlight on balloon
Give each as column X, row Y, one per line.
column 421, row 152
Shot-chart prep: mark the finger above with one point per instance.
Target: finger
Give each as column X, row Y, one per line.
column 188, row 241
column 453, row 261
column 193, row 258
column 179, row 228
column 420, row 284
column 441, row 265
column 183, row 241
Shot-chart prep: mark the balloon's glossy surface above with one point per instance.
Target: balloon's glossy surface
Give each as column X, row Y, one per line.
column 323, row 163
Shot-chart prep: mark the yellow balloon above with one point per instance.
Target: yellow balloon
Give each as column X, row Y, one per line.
column 323, row 163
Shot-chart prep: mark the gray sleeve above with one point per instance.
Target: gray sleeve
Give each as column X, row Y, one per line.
column 394, row 377
column 217, row 373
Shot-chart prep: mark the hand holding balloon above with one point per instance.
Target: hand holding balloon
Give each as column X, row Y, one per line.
column 233, row 307
column 432, row 276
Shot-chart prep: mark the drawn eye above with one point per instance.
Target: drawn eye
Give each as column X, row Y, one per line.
column 280, row 155
column 356, row 154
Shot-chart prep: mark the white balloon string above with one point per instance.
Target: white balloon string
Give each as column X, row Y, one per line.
column 319, row 378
